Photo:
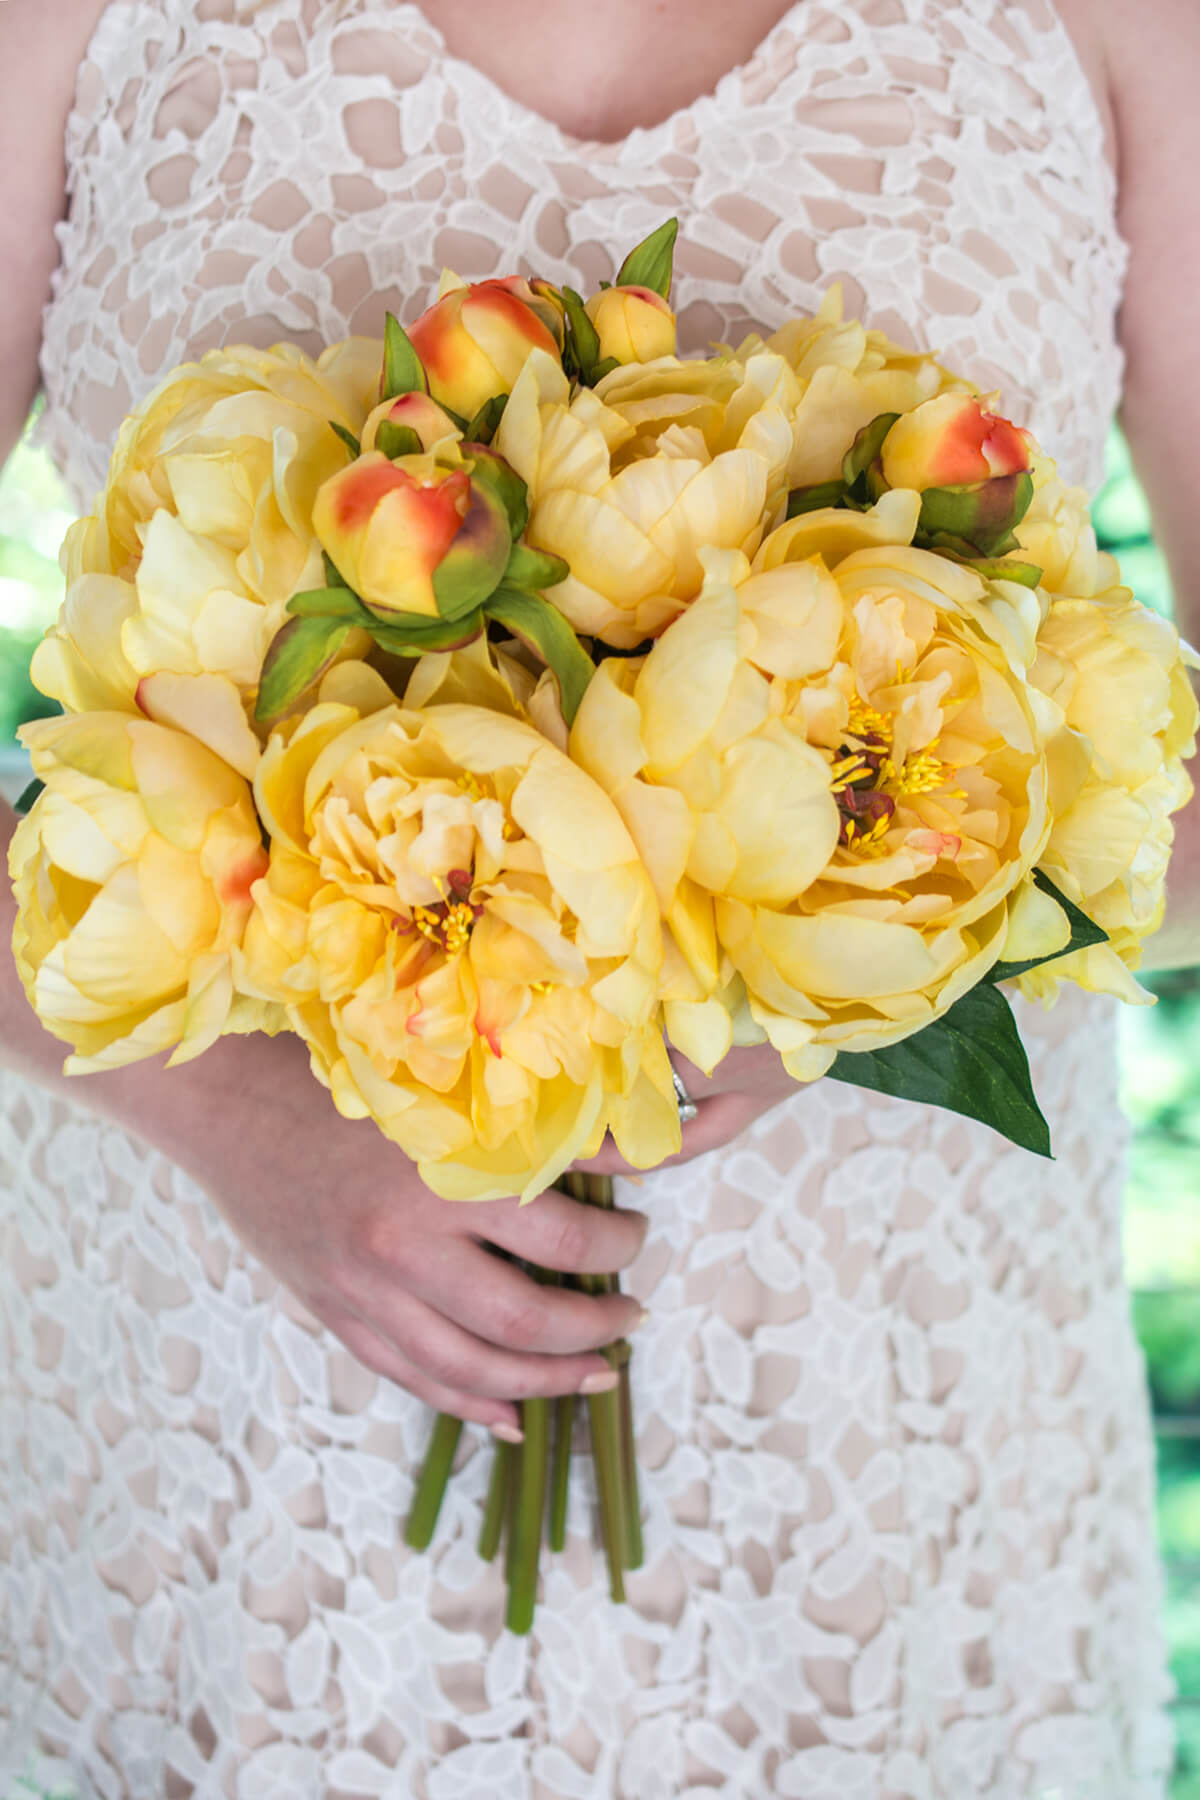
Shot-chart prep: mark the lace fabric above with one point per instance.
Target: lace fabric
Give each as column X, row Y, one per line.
column 896, row 1460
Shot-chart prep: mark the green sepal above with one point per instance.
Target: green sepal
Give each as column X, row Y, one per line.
column 970, row 1061
column 540, row 625
column 983, row 514
column 475, row 562
column 348, row 438
column 1005, row 569
column 490, row 470
column 297, row 655
column 1084, row 933
column 482, row 428
column 412, row 634
column 601, row 369
column 650, row 263
column 333, row 575
column 583, row 338
column 403, row 370
column 813, row 498
column 868, row 442
column 328, row 603
column 537, row 569
column 397, row 440
column 28, row 795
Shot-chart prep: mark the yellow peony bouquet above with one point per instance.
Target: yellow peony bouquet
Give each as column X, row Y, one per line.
column 502, row 704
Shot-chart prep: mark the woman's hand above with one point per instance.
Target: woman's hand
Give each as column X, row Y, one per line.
column 406, row 1281
column 744, row 1085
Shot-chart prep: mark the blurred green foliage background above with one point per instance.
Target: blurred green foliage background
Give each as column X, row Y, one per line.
column 1160, row 1050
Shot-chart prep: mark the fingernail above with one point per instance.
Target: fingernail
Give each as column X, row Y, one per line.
column 638, row 1322
column 508, row 1434
column 602, row 1383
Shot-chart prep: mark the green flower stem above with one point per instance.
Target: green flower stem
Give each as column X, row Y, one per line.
column 532, row 1471
column 497, row 1501
column 604, row 1413
column 564, row 1420
column 634, row 1550
column 431, row 1483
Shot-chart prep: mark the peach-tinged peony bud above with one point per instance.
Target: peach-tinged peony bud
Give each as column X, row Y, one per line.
column 634, row 324
column 952, row 442
column 390, row 528
column 413, row 413
column 474, row 340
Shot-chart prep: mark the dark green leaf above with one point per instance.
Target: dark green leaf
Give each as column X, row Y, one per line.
column 328, row 603
column 28, row 795
column 482, row 428
column 397, row 440
column 649, row 264
column 348, row 438
column 403, row 370
column 540, row 625
column 1084, row 932
column 298, row 654
column 812, row 499
column 970, row 1061
column 529, row 568
column 866, row 447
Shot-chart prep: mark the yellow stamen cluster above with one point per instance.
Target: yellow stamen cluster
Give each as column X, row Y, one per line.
column 919, row 773
column 869, row 842
column 448, row 925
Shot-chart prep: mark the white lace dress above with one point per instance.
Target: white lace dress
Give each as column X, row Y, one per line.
column 893, row 1431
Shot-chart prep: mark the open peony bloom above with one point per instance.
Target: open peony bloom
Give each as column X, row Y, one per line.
column 630, row 480
column 474, row 340
column 459, row 926
column 178, row 581
column 132, row 875
column 857, row 778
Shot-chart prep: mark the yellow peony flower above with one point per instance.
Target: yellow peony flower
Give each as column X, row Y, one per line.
column 630, row 480
column 178, row 581
column 132, row 875
column 1119, row 675
column 848, row 375
column 460, row 928
column 836, row 774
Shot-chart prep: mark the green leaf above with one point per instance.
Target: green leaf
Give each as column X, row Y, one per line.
column 397, row 440
column 412, row 634
column 601, row 369
column 299, row 652
column 585, row 341
column 403, row 370
column 348, row 438
column 1084, row 932
column 28, row 795
column 482, row 428
column 328, row 603
column 812, row 499
column 868, row 442
column 529, row 568
column 540, row 625
column 970, row 1061
column 649, row 264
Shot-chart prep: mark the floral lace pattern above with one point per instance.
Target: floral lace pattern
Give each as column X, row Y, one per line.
column 896, row 1461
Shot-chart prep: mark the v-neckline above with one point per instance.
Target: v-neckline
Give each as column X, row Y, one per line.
column 570, row 140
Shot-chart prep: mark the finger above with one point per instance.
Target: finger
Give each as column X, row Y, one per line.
column 498, row 1302
column 454, row 1358
column 383, row 1358
column 560, row 1233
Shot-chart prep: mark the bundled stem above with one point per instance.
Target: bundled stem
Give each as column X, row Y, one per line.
column 431, row 1483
